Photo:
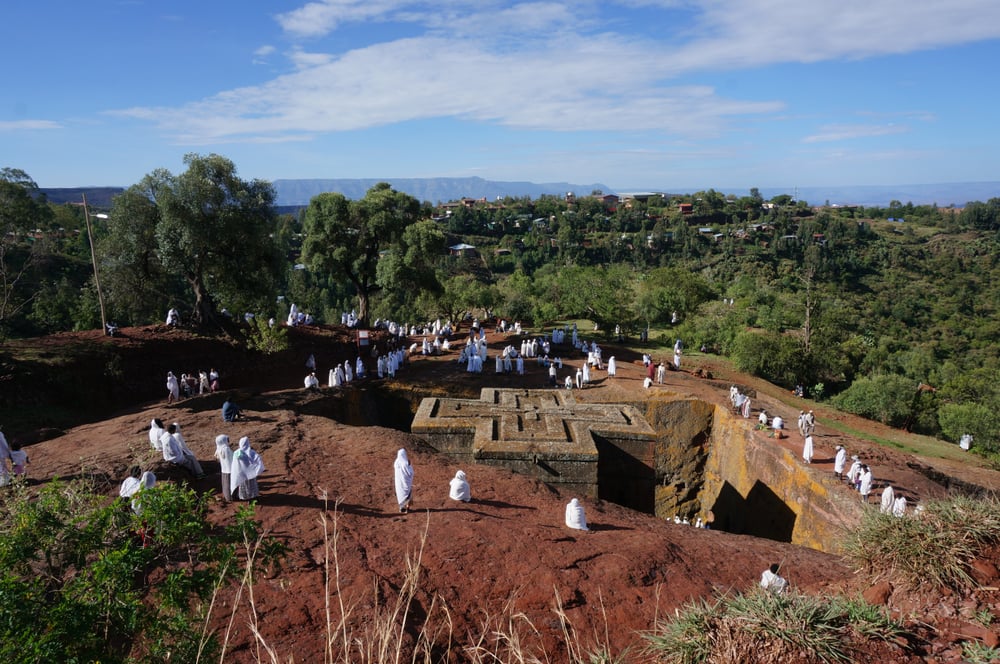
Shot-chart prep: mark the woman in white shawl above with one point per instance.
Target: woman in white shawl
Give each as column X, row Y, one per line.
column 888, row 500
column 244, row 469
column 173, row 387
column 225, row 456
column 155, row 433
column 459, row 488
column 575, row 517
column 403, row 472
column 612, row 367
column 146, row 482
column 807, row 450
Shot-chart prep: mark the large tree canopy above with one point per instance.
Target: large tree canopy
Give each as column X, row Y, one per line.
column 344, row 238
column 206, row 227
column 19, row 213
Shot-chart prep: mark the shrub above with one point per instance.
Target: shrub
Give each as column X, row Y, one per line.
column 266, row 339
column 759, row 626
column 887, row 398
column 934, row 548
column 73, row 567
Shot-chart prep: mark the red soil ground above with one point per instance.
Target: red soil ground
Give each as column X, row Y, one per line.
column 505, row 554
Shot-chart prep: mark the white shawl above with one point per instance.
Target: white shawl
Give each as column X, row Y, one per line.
column 223, row 452
column 460, row 488
column 246, row 464
column 574, row 515
column 403, row 472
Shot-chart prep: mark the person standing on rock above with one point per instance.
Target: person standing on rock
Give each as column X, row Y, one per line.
column 839, row 460
column 225, row 456
column 244, row 469
column 865, row 485
column 403, row 472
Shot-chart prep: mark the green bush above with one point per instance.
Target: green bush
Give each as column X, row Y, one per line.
column 887, row 398
column 266, row 339
column 74, row 565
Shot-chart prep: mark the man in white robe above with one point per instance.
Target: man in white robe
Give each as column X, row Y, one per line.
column 586, row 374
column 403, row 480
column 359, row 368
column 225, row 456
column 579, row 379
column 575, row 517
column 459, row 488
column 865, row 486
column 839, row 461
column 807, row 450
column 854, row 472
column 770, row 580
column 173, row 387
column 175, row 451
column 661, row 373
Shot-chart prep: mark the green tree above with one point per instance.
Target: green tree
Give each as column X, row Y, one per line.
column 887, row 398
column 206, row 228
column 344, row 238
column 19, row 213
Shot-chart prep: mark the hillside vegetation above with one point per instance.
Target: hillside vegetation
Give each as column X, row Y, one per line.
column 888, row 312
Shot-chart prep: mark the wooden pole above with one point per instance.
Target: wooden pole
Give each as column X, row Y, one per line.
column 93, row 260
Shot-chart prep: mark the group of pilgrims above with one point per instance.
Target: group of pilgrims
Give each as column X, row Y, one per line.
column 239, row 468
column 859, row 475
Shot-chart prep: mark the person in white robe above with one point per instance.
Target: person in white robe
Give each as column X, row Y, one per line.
column 839, row 461
column 146, row 482
column 647, row 382
column 778, row 425
column 499, row 364
column 899, row 507
column 332, row 378
column 403, row 479
column 612, row 367
column 458, row 488
column 661, row 373
column 204, row 387
column 245, row 468
column 155, row 433
column 225, row 456
column 348, row 372
column 772, row 581
column 888, row 499
column 854, row 472
column 677, row 361
column 339, row 376
column 807, row 450
column 586, row 374
column 359, row 368
column 575, row 517
column 865, row 485
column 762, row 418
column 579, row 379
column 131, row 483
column 311, row 382
column 173, row 387
column 176, row 452
column 569, row 382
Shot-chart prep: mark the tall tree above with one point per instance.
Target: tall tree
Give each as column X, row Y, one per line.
column 345, row 237
column 19, row 213
column 209, row 228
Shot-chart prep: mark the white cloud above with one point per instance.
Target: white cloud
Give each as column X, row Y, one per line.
column 842, row 132
column 19, row 125
column 557, row 66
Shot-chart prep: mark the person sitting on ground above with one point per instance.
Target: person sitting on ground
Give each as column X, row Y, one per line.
column 312, row 382
column 778, row 425
column 175, row 451
column 770, row 580
column 18, row 461
column 459, row 488
column 575, row 518
column 156, row 434
column 230, row 411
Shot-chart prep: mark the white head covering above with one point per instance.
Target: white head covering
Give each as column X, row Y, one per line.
column 155, row 431
column 459, row 488
column 246, row 464
column 574, row 515
column 223, row 452
column 403, row 472
column 147, row 481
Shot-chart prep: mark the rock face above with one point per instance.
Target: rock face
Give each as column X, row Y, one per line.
column 670, row 456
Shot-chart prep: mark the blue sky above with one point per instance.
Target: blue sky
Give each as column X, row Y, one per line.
column 635, row 94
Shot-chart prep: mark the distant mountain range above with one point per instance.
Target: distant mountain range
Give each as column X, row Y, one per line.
column 297, row 193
